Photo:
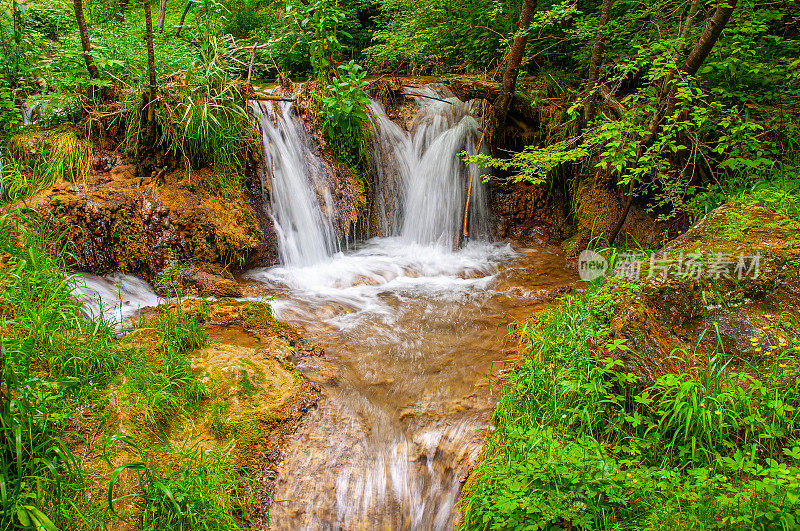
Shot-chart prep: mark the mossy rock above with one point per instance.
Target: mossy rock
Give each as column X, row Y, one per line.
column 253, row 395
column 676, row 322
column 116, row 220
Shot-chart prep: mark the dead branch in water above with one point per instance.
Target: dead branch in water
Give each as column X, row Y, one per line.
column 271, row 97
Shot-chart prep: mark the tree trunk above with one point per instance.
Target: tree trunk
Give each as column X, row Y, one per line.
column 183, row 18
column 597, row 59
column 87, row 46
column 120, row 15
column 162, row 12
column 709, row 37
column 17, row 19
column 667, row 88
column 151, row 69
column 513, row 62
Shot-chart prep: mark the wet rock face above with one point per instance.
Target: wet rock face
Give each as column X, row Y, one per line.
column 122, row 221
column 336, row 186
column 258, row 188
column 526, row 213
column 210, row 281
column 677, row 322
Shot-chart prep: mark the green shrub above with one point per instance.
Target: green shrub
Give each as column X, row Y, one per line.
column 345, row 119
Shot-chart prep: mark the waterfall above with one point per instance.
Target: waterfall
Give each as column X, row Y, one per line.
column 305, row 232
column 425, row 167
column 420, row 180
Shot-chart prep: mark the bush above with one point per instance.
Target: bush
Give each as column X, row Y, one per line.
column 345, row 119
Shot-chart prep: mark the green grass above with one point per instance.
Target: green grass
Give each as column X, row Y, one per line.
column 37, row 158
column 778, row 189
column 166, row 385
column 53, row 358
column 57, row 363
column 580, row 443
column 190, row 490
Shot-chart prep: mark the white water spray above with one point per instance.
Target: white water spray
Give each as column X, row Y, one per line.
column 433, row 177
column 305, row 233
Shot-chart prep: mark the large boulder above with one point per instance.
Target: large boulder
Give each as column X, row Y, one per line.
column 727, row 291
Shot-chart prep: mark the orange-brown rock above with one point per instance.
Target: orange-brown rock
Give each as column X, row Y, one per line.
column 119, row 220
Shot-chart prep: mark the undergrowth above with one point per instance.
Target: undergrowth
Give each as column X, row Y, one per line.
column 190, row 490
column 576, row 445
column 55, row 368
column 36, row 158
column 164, row 380
column 53, row 358
column 201, row 121
column 345, row 120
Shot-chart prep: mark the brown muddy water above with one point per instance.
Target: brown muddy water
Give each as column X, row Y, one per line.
column 412, row 336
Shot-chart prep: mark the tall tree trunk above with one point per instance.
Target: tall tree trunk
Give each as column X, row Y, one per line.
column 151, row 69
column 597, row 59
column 120, row 15
column 162, row 12
column 708, row 38
column 87, row 46
column 513, row 62
column 183, row 18
column 17, row 19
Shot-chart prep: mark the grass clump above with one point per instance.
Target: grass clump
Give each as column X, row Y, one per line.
column 163, row 379
column 53, row 359
column 37, row 158
column 190, row 490
column 200, row 120
column 580, row 442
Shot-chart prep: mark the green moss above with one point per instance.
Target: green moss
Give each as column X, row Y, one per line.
column 252, row 428
column 258, row 316
column 218, row 423
column 130, row 245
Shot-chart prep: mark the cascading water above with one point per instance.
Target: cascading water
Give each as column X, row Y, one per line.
column 115, row 297
column 305, row 233
column 409, row 326
column 431, row 175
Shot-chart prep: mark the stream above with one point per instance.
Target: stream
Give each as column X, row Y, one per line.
column 412, row 331
column 411, row 334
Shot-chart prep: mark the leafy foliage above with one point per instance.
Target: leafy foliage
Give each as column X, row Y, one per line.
column 574, row 445
column 345, row 118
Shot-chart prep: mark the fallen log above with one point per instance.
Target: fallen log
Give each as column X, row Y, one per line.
column 467, row 89
column 270, row 97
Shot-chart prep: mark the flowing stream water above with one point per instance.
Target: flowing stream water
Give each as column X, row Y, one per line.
column 412, row 330
column 409, row 326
